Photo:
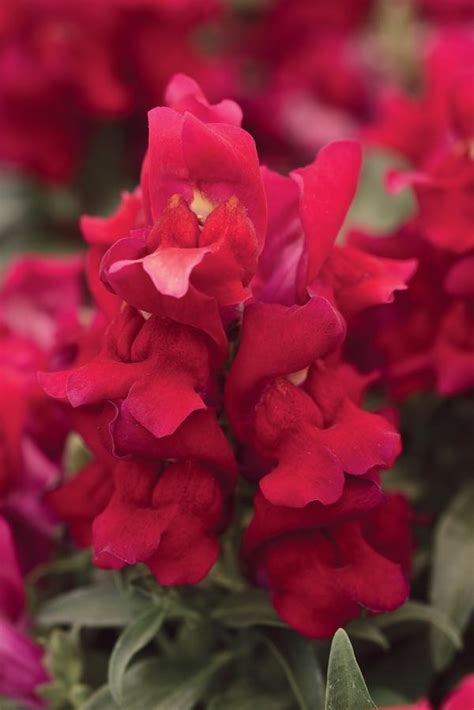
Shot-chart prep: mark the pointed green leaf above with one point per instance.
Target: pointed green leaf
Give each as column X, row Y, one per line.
column 452, row 581
column 346, row 688
column 297, row 659
column 96, row 606
column 158, row 685
column 134, row 637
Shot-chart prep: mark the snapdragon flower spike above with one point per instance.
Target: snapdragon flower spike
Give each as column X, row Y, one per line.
column 322, row 564
column 157, row 367
column 167, row 520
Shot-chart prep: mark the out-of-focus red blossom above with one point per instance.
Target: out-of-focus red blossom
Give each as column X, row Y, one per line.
column 322, row 564
column 39, row 301
column 65, row 64
column 436, row 133
column 461, row 698
column 313, row 78
column 425, row 338
column 21, row 669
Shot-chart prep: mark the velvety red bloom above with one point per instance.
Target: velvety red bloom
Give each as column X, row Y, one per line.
column 425, row 338
column 300, row 257
column 295, row 407
column 189, row 241
column 21, row 670
column 323, row 563
column 110, row 432
column 167, row 520
column 288, row 395
column 158, row 369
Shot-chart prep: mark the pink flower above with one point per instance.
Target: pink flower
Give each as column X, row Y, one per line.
column 39, row 302
column 21, row 670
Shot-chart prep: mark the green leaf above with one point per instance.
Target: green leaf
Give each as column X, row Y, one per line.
column 296, row 657
column 418, row 612
column 346, row 688
column 249, row 608
column 366, row 630
column 78, row 562
column 157, row 685
column 97, row 606
column 134, row 637
column 244, row 695
column 452, row 581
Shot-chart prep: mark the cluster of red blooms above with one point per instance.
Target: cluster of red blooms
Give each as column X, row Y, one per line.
column 231, row 336
column 305, row 72
column 39, row 307
column 66, row 65
column 218, row 314
column 426, row 340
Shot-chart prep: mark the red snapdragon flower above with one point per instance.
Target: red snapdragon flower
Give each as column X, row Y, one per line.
column 323, row 563
column 189, row 241
column 288, row 395
column 193, row 273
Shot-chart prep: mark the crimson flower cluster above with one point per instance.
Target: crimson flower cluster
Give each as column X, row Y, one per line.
column 426, row 339
column 306, row 72
column 216, row 352
column 39, row 320
column 66, row 65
